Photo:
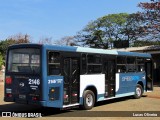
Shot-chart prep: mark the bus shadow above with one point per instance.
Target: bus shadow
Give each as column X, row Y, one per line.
column 14, row 107
column 144, row 96
column 54, row 112
column 20, row 108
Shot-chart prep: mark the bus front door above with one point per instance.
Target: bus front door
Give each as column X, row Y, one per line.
column 149, row 77
column 71, row 73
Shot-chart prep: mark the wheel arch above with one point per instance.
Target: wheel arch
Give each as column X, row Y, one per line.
column 142, row 84
column 93, row 89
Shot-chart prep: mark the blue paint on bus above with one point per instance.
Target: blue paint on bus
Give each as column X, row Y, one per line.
column 128, row 82
column 134, row 54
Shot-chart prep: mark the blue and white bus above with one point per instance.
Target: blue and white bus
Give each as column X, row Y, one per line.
column 65, row 76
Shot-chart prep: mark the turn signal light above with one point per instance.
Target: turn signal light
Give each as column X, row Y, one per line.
column 8, row 80
column 8, row 95
column 65, row 96
column 52, row 90
column 35, row 98
column 74, row 95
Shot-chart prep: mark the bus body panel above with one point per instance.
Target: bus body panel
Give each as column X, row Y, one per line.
column 145, row 55
column 128, row 81
column 125, row 84
column 54, row 91
column 50, row 90
column 50, row 83
column 97, row 81
column 23, row 81
column 24, row 89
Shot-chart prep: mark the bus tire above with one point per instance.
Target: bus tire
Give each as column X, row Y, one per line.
column 138, row 92
column 88, row 100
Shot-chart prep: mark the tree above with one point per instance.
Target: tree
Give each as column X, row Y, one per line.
column 1, row 61
column 15, row 39
column 139, row 43
column 45, row 40
column 134, row 30
column 67, row 40
column 114, row 27
column 4, row 45
column 20, row 38
column 151, row 14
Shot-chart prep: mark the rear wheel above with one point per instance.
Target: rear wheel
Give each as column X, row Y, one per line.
column 88, row 100
column 138, row 92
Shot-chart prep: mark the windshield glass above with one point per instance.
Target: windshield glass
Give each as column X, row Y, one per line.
column 26, row 60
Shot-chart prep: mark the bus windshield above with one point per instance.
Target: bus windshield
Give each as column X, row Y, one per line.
column 24, row 60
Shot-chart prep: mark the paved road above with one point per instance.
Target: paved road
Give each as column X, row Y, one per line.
column 118, row 109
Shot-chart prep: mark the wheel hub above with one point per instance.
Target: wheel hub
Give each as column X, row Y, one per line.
column 89, row 100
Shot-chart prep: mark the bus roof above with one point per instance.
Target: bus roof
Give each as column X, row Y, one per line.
column 95, row 50
column 84, row 50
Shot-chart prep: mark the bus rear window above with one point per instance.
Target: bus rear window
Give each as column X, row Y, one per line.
column 26, row 60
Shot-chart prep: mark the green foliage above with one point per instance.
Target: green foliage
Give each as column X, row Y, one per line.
column 140, row 43
column 102, row 32
column 1, row 61
column 4, row 45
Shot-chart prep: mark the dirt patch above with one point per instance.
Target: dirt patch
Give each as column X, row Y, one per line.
column 150, row 96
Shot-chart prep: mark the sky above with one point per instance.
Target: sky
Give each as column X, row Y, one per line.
column 56, row 18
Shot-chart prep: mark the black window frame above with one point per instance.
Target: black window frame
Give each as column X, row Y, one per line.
column 93, row 65
column 140, row 66
column 121, row 66
column 23, row 46
column 54, row 65
column 131, row 64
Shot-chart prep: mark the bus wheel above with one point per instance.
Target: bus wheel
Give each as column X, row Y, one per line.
column 88, row 100
column 138, row 92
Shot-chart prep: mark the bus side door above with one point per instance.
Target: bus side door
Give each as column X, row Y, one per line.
column 71, row 80
column 109, row 70
column 149, row 75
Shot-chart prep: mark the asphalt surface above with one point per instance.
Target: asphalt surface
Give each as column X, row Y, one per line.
column 145, row 108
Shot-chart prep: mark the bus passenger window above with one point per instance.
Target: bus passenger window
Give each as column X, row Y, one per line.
column 121, row 60
column 121, row 64
column 131, row 60
column 140, row 68
column 131, row 64
column 54, row 57
column 94, row 69
column 121, row 68
column 54, row 63
column 94, row 64
column 94, row 59
column 140, row 64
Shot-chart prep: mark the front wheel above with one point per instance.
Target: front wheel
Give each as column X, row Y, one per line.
column 88, row 100
column 138, row 92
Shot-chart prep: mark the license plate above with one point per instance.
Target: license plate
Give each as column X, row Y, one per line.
column 22, row 96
